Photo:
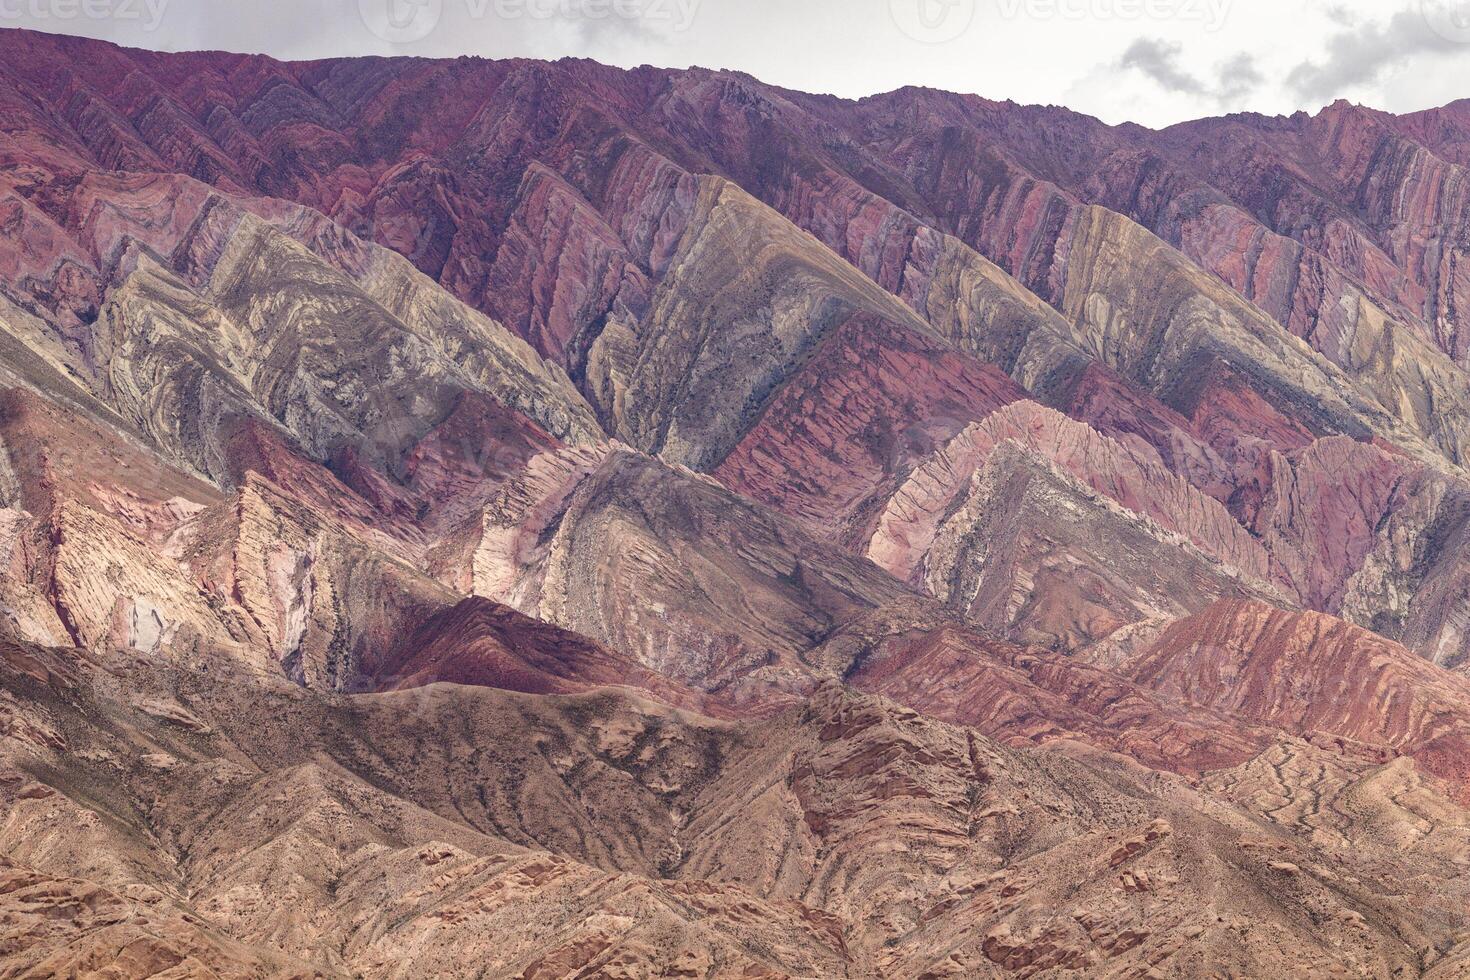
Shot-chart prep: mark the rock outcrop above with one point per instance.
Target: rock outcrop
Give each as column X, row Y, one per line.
column 1027, row 550
column 1131, row 475
column 1310, row 674
column 667, row 567
column 556, row 835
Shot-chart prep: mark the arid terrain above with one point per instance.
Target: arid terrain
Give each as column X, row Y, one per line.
column 509, row 519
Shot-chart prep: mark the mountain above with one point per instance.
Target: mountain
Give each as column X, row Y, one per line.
column 460, row 828
column 474, row 518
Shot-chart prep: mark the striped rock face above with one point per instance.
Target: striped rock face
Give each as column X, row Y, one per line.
column 510, row 519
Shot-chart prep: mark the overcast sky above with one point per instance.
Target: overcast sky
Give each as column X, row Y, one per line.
column 1151, row 61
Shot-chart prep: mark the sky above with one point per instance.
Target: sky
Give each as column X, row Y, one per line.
column 1154, row 62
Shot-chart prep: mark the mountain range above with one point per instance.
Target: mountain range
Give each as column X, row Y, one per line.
column 479, row 518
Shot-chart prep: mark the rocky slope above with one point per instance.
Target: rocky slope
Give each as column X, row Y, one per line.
column 1235, row 657
column 599, row 835
column 542, row 520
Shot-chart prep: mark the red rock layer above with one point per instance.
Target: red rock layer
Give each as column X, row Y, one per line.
column 484, row 644
column 875, row 399
column 1311, row 674
column 1023, row 694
